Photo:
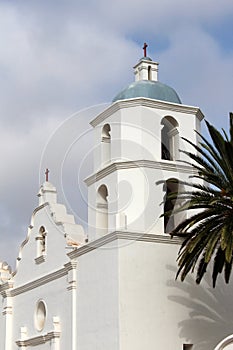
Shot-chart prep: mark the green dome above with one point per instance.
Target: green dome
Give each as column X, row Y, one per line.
column 148, row 89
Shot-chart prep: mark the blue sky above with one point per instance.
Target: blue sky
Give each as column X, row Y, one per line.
column 57, row 58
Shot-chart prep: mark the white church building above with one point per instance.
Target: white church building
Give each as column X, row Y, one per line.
column 116, row 290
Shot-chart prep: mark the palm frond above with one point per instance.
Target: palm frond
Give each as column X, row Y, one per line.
column 208, row 229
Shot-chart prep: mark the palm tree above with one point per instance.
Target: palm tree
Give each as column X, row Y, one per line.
column 208, row 232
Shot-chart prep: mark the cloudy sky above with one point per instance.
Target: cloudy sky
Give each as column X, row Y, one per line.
column 58, row 58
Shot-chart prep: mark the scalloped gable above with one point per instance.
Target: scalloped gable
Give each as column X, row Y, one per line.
column 51, row 235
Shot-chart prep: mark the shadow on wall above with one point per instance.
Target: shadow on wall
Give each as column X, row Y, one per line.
column 210, row 310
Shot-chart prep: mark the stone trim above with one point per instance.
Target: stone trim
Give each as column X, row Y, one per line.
column 8, row 310
column 5, row 287
column 132, row 236
column 40, row 339
column 146, row 102
column 71, row 277
column 40, row 281
column 102, row 205
column 40, row 259
column 163, row 165
column 106, row 139
column 71, row 265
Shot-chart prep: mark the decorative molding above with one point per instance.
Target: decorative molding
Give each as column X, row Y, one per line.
column 146, row 102
column 40, row 259
column 8, row 310
column 4, row 288
column 71, row 265
column 72, row 286
column 45, row 279
column 173, row 166
column 102, row 205
column 106, row 139
column 39, row 282
column 132, row 236
column 72, row 280
column 40, row 339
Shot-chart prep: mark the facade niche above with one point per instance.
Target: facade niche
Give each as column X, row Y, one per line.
column 169, row 139
column 41, row 242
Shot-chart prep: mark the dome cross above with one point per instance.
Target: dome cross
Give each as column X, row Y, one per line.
column 144, row 48
column 47, row 175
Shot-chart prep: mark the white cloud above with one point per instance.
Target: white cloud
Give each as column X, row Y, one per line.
column 201, row 72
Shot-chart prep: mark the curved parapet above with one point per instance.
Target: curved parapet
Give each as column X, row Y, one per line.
column 51, row 231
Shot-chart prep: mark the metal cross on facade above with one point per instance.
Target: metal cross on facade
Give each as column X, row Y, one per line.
column 47, row 175
column 144, row 48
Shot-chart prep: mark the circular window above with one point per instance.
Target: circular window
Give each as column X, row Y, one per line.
column 40, row 315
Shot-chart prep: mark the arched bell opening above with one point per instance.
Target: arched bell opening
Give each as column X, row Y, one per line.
column 106, row 144
column 102, row 209
column 172, row 204
column 169, row 139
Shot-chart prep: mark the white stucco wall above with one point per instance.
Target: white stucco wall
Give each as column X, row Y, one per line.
column 98, row 299
column 127, row 298
column 58, row 304
column 157, row 312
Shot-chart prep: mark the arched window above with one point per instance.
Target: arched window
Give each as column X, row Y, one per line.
column 106, row 144
column 169, row 139
column 102, row 210
column 170, row 222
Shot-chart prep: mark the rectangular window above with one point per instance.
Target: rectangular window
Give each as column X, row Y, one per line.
column 187, row 346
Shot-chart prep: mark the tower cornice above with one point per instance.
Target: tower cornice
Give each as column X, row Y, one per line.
column 124, row 235
column 163, row 165
column 146, row 102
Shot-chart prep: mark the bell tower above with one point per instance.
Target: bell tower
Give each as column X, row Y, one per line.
column 137, row 156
